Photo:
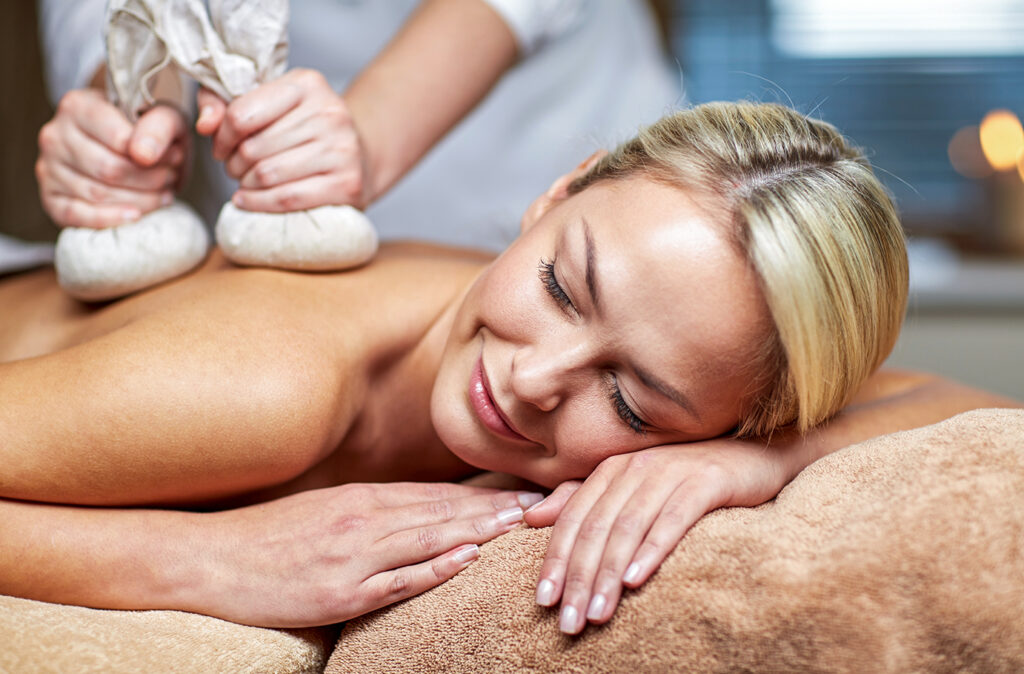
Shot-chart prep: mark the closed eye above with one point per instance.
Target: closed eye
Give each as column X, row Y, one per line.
column 546, row 271
column 623, row 409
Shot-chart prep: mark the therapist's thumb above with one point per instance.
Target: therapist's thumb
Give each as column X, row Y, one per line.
column 154, row 133
column 211, row 112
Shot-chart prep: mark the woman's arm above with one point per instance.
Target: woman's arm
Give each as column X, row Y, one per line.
column 618, row 526
column 294, row 143
column 312, row 558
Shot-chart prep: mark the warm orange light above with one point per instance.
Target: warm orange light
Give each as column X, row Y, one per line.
column 1002, row 139
column 1020, row 164
column 965, row 154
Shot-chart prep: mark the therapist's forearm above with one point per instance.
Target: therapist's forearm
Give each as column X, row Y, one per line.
column 442, row 63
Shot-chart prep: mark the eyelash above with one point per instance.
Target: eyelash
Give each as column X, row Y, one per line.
column 546, row 271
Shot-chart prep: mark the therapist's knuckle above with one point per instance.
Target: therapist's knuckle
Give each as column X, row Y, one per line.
column 248, row 150
column 290, row 199
column 40, row 170
column 47, row 138
column 309, row 78
column 265, row 174
column 72, row 102
column 109, row 171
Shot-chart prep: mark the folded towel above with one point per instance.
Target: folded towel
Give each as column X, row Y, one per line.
column 903, row 553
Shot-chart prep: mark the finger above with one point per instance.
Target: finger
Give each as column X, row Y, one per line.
column 559, row 552
column 439, row 511
column 252, row 112
column 394, row 494
column 100, row 163
column 544, row 513
column 319, row 190
column 395, row 585
column 686, row 505
column 71, row 212
column 292, row 130
column 67, row 181
column 154, row 134
column 90, row 112
column 588, row 549
column 409, row 546
column 628, row 529
column 211, row 111
column 298, row 163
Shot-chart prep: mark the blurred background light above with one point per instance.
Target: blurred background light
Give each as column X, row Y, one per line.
column 887, row 28
column 966, row 155
column 1002, row 139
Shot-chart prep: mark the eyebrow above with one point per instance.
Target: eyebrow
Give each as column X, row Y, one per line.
column 591, row 277
column 648, row 379
column 663, row 387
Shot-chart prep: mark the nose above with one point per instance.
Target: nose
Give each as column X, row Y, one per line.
column 542, row 373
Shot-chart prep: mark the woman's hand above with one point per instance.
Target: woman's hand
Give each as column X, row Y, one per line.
column 97, row 169
column 291, row 144
column 618, row 526
column 328, row 555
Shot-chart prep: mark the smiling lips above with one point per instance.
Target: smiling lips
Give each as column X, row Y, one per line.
column 483, row 404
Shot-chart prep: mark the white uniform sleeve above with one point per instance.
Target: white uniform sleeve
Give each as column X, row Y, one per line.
column 72, row 41
column 535, row 22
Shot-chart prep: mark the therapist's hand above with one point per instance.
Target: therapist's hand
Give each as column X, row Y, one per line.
column 291, row 144
column 617, row 527
column 328, row 555
column 97, row 169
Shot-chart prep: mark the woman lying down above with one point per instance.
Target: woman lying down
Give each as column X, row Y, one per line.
column 684, row 324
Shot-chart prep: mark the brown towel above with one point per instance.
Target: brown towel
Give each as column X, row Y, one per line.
column 903, row 553
column 36, row 637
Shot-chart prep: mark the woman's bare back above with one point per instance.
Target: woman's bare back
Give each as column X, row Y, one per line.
column 228, row 382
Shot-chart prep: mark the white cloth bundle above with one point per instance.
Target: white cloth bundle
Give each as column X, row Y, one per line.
column 244, row 46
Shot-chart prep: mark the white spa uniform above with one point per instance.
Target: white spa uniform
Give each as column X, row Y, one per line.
column 592, row 71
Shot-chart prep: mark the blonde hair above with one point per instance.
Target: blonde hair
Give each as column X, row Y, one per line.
column 817, row 226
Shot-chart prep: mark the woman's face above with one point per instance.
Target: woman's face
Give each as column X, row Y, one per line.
column 621, row 319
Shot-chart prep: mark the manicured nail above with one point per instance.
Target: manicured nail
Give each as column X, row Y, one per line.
column 130, row 214
column 545, row 592
column 467, row 553
column 570, row 620
column 632, row 573
column 166, row 198
column 510, row 515
column 529, row 500
column 596, row 609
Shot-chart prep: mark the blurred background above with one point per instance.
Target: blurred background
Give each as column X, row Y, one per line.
column 932, row 89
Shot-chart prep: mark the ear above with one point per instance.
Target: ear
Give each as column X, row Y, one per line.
column 558, row 191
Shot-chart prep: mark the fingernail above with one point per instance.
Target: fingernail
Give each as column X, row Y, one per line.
column 510, row 515
column 236, row 199
column 596, row 609
column 148, row 148
column 545, row 592
column 569, row 622
column 130, row 214
column 632, row 573
column 529, row 500
column 166, row 198
column 467, row 553
column 205, row 112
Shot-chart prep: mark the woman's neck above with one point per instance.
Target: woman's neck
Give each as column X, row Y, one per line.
column 393, row 437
